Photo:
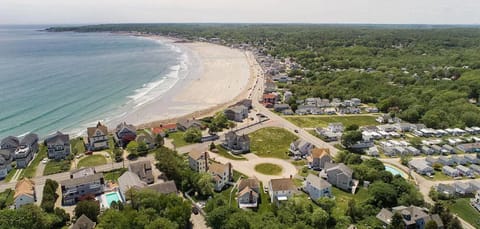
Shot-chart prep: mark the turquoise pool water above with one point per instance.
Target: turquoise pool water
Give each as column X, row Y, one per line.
column 113, row 196
column 394, row 171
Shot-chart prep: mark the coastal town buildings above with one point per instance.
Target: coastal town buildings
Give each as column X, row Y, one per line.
column 222, row 174
column 198, row 161
column 97, row 137
column 81, row 184
column 248, row 193
column 413, row 216
column 58, row 146
column 143, row 169
column 281, row 189
column 24, row 193
column 339, row 175
column 237, row 143
column 316, row 187
column 236, row 113
column 125, row 133
column 186, row 124
column 318, row 158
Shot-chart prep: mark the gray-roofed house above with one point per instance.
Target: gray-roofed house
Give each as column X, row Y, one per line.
column 431, row 160
column 475, row 168
column 413, row 216
column 446, row 160
column 237, row 143
column 9, row 144
column 236, row 113
column 127, row 181
column 436, row 148
column 317, row 187
column 26, row 149
column 6, row 160
column 74, row 189
column 166, row 187
column 339, row 175
column 146, row 138
column 472, row 158
column 445, row 189
column 58, row 146
column 281, row 189
column 427, row 150
column 464, row 171
column 412, row 150
column 448, row 149
column 186, row 124
column 421, row 167
column 449, row 171
column 281, row 107
column 83, row 222
column 124, row 134
column 469, row 147
column 463, row 188
column 459, row 160
column 97, row 137
column 248, row 193
column 143, row 169
column 300, row 148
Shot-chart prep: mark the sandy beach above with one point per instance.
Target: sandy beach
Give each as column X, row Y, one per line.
column 217, row 77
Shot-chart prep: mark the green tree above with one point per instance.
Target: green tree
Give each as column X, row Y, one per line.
column 192, row 135
column 352, row 127
column 431, row 225
column 326, row 204
column 132, row 148
column 142, row 149
column 205, row 184
column 382, row 194
column 161, row 223
column 349, row 138
column 159, row 141
column 319, row 218
column 89, row 208
column 397, row 222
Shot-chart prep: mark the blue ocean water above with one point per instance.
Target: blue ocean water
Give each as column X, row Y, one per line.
column 67, row 81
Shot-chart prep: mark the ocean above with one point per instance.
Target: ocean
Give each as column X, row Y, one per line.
column 69, row 81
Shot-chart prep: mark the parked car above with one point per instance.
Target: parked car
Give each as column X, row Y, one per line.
column 45, row 160
column 194, row 210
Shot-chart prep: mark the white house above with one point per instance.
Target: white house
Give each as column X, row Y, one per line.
column 281, row 189
column 317, row 187
column 221, row 173
column 449, row 171
column 421, row 167
column 464, row 171
column 198, row 161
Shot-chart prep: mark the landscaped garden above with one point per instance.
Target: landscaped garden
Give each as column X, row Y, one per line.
column 268, row 169
column 92, row 160
column 271, row 142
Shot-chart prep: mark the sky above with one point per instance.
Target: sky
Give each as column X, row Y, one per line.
column 240, row 11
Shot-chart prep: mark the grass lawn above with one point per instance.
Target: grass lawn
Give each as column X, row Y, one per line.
column 342, row 198
column 92, row 160
column 264, row 206
column 323, row 120
column 271, row 142
column 177, row 138
column 77, row 145
column 54, row 166
column 32, row 168
column 223, row 152
column 464, row 210
column 10, row 174
column 268, row 169
column 7, row 196
column 114, row 174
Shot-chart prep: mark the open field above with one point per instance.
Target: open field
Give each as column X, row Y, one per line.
column 54, row 166
column 271, row 142
column 464, row 210
column 323, row 120
column 92, row 160
column 268, row 169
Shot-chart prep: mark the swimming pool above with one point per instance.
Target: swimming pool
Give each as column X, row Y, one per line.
column 395, row 171
column 112, row 196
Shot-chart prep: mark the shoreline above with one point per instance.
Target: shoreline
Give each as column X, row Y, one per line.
column 212, row 60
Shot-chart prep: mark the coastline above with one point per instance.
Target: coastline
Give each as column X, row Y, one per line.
column 217, row 77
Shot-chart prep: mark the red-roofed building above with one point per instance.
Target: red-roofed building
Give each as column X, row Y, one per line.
column 165, row 129
column 269, row 99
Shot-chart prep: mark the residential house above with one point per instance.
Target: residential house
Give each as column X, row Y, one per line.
column 166, row 187
column 24, row 193
column 124, row 134
column 421, row 167
column 75, row 189
column 97, row 137
column 146, row 138
column 236, row 113
column 373, row 151
column 143, row 169
column 318, row 158
column 281, row 107
column 83, row 222
column 268, row 100
column 448, row 149
column 339, row 175
column 300, row 148
column 198, row 161
column 470, row 147
column 248, row 193
column 413, row 151
column 58, row 146
column 6, row 160
column 165, row 129
column 9, row 144
column 459, row 160
column 281, row 189
column 472, row 158
column 129, row 180
column 449, row 171
column 336, row 127
column 475, row 185
column 317, row 187
column 222, row 174
column 237, row 143
column 445, row 189
column 245, row 102
column 427, row 150
column 463, row 188
column 413, row 217
column 475, row 168
column 436, row 148
column 431, row 160
column 464, row 171
column 446, row 160
column 27, row 148
column 186, row 124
